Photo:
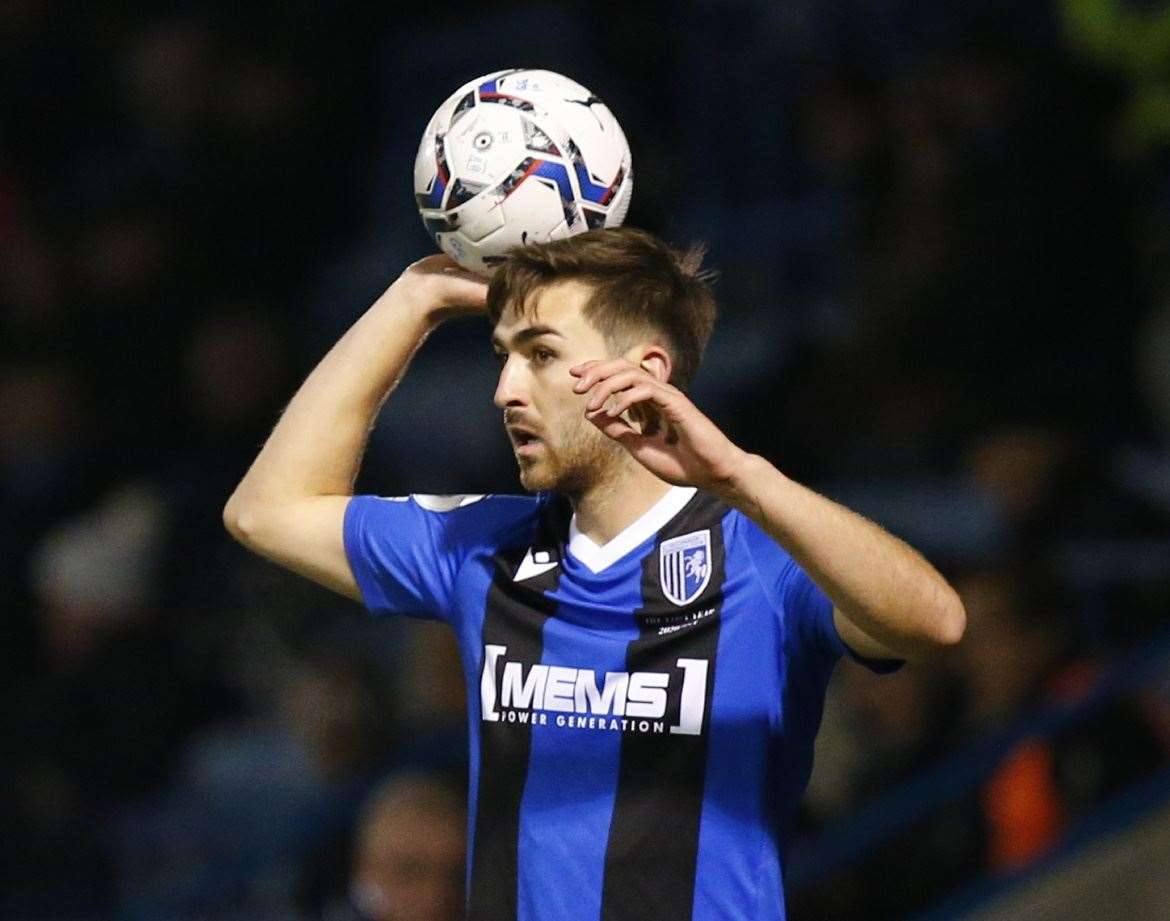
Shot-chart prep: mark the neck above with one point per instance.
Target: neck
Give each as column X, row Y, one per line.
column 615, row 502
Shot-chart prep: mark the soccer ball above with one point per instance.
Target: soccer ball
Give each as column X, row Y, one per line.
column 517, row 157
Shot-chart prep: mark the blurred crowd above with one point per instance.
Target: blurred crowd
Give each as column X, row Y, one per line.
column 942, row 236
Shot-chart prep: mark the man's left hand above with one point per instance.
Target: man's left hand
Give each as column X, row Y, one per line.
column 666, row 433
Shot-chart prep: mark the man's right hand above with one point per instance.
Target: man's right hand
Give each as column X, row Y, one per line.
column 439, row 288
column 290, row 507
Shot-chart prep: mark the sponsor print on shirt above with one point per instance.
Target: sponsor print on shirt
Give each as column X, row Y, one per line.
column 578, row 698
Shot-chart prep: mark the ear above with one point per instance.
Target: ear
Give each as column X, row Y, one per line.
column 655, row 359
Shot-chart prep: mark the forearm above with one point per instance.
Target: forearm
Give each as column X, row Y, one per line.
column 880, row 583
column 317, row 446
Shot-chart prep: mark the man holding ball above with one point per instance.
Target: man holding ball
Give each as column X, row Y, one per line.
column 647, row 639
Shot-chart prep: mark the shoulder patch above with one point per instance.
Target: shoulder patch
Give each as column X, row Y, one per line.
column 445, row 503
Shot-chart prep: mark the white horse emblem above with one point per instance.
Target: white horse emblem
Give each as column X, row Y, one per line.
column 684, row 566
column 697, row 566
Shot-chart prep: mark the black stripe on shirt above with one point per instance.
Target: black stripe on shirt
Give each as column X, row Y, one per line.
column 514, row 618
column 654, row 834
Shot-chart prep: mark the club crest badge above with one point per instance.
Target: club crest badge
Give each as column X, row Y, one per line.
column 684, row 566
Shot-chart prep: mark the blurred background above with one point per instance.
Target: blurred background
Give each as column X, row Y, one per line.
column 943, row 233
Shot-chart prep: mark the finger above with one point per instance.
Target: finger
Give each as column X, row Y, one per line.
column 616, row 428
column 585, row 373
column 601, row 389
column 638, row 393
column 648, row 414
column 434, row 263
column 607, row 387
column 442, row 264
column 647, row 417
column 660, row 399
column 579, row 369
column 584, row 367
column 591, row 372
column 604, row 391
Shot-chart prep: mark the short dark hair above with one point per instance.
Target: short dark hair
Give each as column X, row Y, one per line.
column 640, row 285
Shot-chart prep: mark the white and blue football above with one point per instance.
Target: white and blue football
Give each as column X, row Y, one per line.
column 518, row 157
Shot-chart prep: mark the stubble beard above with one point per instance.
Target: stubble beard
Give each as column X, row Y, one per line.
column 581, row 458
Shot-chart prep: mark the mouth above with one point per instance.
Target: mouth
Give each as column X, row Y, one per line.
column 524, row 441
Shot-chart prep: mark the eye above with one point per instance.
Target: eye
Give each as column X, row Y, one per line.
column 501, row 357
column 542, row 356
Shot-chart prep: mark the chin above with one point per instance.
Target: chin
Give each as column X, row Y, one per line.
column 571, row 473
column 533, row 479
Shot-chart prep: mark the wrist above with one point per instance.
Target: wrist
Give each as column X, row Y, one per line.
column 735, row 484
column 404, row 303
column 435, row 289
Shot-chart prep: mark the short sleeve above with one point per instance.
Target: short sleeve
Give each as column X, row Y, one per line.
column 813, row 613
column 805, row 608
column 406, row 552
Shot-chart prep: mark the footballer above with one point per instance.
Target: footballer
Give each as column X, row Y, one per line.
column 647, row 635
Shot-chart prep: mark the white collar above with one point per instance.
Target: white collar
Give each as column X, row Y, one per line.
column 598, row 558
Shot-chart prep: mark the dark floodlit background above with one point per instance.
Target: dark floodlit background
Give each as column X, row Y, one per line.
column 943, row 232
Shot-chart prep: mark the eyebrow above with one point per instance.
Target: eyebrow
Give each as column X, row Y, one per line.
column 526, row 335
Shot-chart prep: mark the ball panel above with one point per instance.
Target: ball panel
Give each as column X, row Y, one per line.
column 531, row 213
column 486, row 144
column 479, row 218
column 621, row 202
column 599, row 136
column 431, row 173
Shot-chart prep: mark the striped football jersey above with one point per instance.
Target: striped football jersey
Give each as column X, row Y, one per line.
column 642, row 713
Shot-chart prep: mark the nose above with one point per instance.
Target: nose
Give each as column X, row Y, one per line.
column 510, row 389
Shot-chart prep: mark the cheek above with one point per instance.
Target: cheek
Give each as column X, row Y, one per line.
column 563, row 411
column 580, row 443
column 572, row 423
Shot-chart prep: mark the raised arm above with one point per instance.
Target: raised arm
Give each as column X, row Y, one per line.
column 889, row 602
column 290, row 505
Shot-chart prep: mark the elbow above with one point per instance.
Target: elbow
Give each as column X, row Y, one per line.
column 951, row 622
column 239, row 520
